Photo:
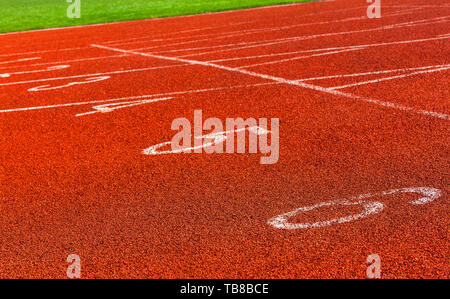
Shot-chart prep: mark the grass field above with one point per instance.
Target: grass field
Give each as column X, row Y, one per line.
column 20, row 15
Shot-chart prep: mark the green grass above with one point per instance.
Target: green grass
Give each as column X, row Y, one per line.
column 20, row 15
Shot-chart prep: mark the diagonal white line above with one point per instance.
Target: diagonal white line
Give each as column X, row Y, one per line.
column 265, row 43
column 300, row 57
column 282, row 80
column 91, row 75
column 134, row 97
column 376, row 72
column 391, row 78
column 361, row 47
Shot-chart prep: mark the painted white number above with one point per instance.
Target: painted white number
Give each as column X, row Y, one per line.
column 369, row 208
column 105, row 108
column 212, row 138
column 88, row 80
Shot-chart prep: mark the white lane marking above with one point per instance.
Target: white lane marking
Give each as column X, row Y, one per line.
column 423, row 6
column 391, row 78
column 20, row 60
column 134, row 97
column 216, row 36
column 92, row 75
column 44, row 51
column 265, row 43
column 86, row 81
column 217, row 138
column 66, row 61
column 285, row 81
column 302, row 57
column 165, row 38
column 370, row 208
column 375, row 72
column 362, row 47
column 106, row 108
column 48, row 69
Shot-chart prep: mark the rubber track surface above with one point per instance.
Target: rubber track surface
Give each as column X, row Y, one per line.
column 76, row 183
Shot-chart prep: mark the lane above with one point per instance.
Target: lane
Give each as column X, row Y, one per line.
column 113, row 203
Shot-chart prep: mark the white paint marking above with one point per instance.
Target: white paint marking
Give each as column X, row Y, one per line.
column 370, row 208
column 152, row 38
column 48, row 69
column 217, row 138
column 266, row 43
column 44, row 51
column 391, row 78
column 285, row 81
column 165, row 38
column 20, row 60
column 91, row 75
column 106, row 108
column 301, row 57
column 67, row 61
column 86, row 81
column 215, row 36
column 375, row 72
column 362, row 47
column 133, row 97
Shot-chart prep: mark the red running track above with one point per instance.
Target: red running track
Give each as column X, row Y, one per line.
column 363, row 107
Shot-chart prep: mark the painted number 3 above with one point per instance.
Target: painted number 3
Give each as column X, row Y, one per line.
column 369, row 208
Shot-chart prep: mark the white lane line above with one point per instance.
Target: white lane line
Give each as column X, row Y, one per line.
column 86, row 81
column 423, row 6
column 152, row 38
column 135, row 97
column 265, row 43
column 44, row 51
column 375, row 72
column 106, row 108
column 236, row 33
column 302, row 57
column 165, row 39
column 65, row 61
column 49, row 69
column 391, row 78
column 285, row 81
column 363, row 46
column 20, row 60
column 93, row 75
